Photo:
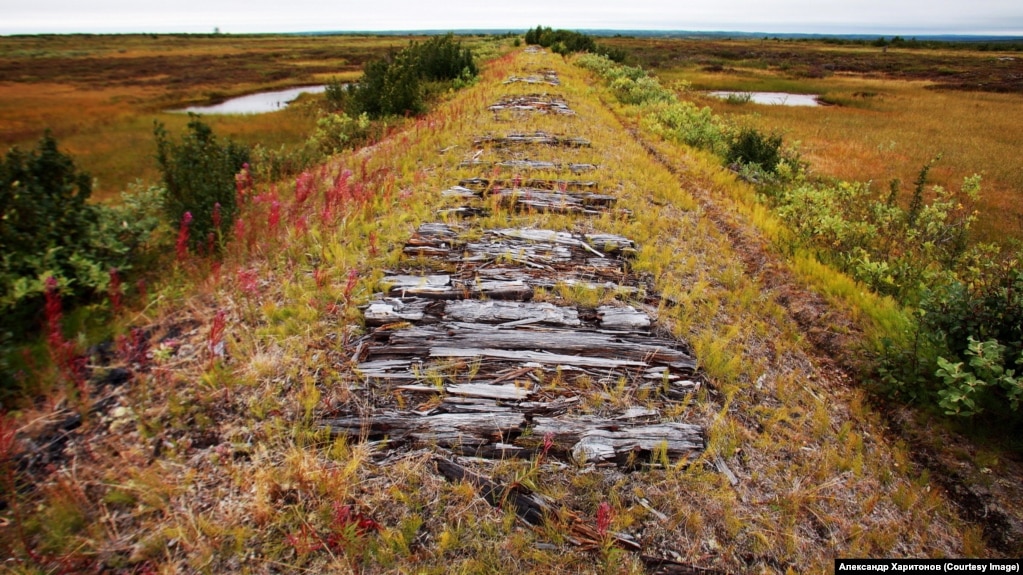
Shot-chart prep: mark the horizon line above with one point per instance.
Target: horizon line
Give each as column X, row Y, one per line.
column 595, row 31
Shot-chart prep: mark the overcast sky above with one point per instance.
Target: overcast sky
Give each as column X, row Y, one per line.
column 812, row 16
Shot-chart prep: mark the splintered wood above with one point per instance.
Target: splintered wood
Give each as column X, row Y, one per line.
column 541, row 103
column 527, row 165
column 549, row 77
column 481, row 335
column 532, row 139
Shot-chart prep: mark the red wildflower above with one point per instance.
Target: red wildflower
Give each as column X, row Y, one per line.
column 181, row 247
column 604, row 516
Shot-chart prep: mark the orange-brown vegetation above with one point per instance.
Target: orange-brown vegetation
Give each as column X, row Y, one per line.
column 891, row 111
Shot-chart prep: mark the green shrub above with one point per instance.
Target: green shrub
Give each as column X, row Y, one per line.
column 985, row 384
column 199, row 174
column 975, row 322
column 442, row 58
column 749, row 146
column 335, row 132
column 48, row 228
column 335, row 95
column 686, row 123
column 395, row 86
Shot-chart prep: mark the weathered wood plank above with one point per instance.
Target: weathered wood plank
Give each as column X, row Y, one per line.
column 639, row 351
column 503, row 312
column 549, row 78
column 542, row 103
column 587, row 438
column 464, row 212
column 598, row 440
column 418, row 285
column 532, row 356
column 451, row 430
column 531, row 138
column 625, row 318
column 530, row 165
column 391, row 310
column 482, row 184
column 404, row 285
column 539, row 199
column 507, row 392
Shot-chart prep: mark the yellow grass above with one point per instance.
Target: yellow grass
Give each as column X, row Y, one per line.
column 893, row 133
column 99, row 95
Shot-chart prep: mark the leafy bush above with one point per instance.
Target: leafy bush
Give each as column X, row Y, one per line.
column 986, row 382
column 975, row 320
column 199, row 174
column 666, row 115
column 749, row 146
column 335, row 95
column 335, row 132
column 394, row 86
column 48, row 228
column 877, row 241
column 441, row 58
column 684, row 122
column 567, row 41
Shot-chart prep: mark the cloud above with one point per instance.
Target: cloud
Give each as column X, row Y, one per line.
column 942, row 16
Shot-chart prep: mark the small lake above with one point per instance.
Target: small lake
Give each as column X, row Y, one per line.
column 770, row 98
column 258, row 103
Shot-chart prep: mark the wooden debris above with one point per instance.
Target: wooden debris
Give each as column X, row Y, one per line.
column 594, row 440
column 528, row 506
column 623, row 318
column 391, row 310
column 511, row 314
column 483, row 184
column 530, row 165
column 723, row 468
column 507, row 392
column 465, row 212
column 624, row 349
column 572, row 256
column 531, row 139
column 586, row 203
column 492, row 432
column 480, row 434
column 550, row 79
column 542, row 103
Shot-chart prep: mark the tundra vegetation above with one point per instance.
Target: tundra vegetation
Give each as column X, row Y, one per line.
column 961, row 345
column 193, row 439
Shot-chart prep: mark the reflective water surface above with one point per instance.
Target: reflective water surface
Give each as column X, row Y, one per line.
column 770, row 98
column 258, row 103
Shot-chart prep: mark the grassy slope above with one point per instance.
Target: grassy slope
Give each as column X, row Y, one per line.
column 214, row 465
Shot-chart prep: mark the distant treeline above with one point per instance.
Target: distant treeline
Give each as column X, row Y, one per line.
column 568, row 41
column 954, row 42
column 900, row 42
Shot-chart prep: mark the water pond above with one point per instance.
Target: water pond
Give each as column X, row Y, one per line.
column 769, row 98
column 258, row 103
